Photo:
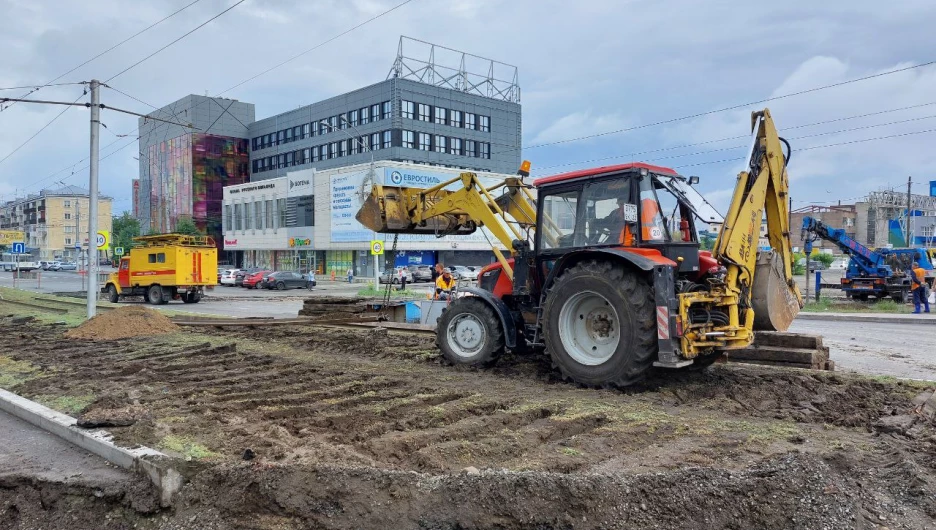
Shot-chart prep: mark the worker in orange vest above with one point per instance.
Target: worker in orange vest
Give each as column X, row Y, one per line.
column 918, row 288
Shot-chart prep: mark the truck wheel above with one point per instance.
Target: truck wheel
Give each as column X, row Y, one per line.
column 191, row 298
column 600, row 327
column 469, row 332
column 112, row 295
column 155, row 294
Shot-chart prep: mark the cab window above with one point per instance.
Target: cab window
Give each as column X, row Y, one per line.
column 559, row 215
column 124, row 265
column 652, row 227
column 610, row 212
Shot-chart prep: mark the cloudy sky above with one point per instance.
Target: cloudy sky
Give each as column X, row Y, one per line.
column 586, row 67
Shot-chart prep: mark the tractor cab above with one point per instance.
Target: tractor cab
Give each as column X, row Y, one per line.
column 635, row 207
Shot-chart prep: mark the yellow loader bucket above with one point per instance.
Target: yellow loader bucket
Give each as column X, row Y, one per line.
column 392, row 210
column 775, row 303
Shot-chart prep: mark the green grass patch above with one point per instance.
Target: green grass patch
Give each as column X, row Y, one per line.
column 841, row 305
column 188, row 448
column 67, row 404
column 13, row 372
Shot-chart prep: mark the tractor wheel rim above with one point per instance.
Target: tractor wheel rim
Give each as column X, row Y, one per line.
column 466, row 335
column 589, row 328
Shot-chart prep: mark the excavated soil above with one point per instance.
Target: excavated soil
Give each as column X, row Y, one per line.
column 299, row 427
column 123, row 322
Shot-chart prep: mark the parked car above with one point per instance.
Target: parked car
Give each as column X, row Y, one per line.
column 243, row 273
column 64, row 266
column 463, row 273
column 285, row 280
column 422, row 273
column 394, row 275
column 839, row 264
column 220, row 273
column 813, row 265
column 47, row 265
column 227, row 277
column 253, row 281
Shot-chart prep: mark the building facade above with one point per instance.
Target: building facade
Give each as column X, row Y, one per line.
column 55, row 222
column 305, row 220
column 398, row 120
column 184, row 169
column 839, row 216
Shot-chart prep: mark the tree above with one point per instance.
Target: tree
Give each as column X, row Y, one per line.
column 186, row 226
column 125, row 228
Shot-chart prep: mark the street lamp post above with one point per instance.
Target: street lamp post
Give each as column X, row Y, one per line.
column 373, row 176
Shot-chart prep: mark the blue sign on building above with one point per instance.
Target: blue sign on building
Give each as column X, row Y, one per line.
column 414, row 257
column 18, row 247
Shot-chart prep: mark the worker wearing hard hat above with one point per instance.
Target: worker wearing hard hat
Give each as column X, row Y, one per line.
column 444, row 285
column 918, row 288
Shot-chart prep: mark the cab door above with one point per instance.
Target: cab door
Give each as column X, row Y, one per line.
column 123, row 273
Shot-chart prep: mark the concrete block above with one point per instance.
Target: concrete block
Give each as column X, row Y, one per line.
column 156, row 466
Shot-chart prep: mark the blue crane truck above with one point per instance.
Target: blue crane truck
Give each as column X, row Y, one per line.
column 880, row 273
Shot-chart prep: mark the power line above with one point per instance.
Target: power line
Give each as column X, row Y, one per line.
column 128, row 39
column 196, row 28
column 37, row 86
column 44, row 127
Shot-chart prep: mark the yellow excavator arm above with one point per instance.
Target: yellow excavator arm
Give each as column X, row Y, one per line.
column 440, row 211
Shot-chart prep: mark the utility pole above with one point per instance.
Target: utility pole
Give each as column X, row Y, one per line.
column 907, row 233
column 93, row 196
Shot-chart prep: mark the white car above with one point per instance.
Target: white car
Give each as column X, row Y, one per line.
column 228, row 276
column 839, row 264
column 464, row 273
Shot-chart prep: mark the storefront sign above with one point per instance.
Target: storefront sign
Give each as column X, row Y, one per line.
column 7, row 237
column 255, row 187
column 230, row 243
column 299, row 242
column 300, row 183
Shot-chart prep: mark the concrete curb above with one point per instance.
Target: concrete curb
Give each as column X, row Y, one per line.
column 148, row 462
column 858, row 318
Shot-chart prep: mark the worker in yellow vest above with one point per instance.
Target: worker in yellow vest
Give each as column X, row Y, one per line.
column 444, row 285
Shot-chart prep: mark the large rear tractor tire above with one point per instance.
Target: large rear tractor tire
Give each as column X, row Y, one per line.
column 470, row 333
column 600, row 325
column 112, row 295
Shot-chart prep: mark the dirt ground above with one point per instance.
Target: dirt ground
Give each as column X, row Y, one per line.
column 299, row 427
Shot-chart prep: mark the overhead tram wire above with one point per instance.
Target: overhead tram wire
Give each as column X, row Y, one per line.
column 186, row 34
column 44, row 127
column 112, row 48
column 175, row 115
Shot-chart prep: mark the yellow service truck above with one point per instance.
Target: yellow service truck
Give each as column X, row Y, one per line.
column 165, row 267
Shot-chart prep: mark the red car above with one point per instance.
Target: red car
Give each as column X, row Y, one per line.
column 252, row 281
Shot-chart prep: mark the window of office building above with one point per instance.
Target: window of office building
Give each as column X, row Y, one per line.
column 387, row 140
column 365, row 115
column 375, row 112
column 306, row 130
column 323, row 127
column 333, row 150
column 469, row 121
column 238, row 217
column 258, row 214
column 315, row 154
column 386, row 110
column 470, row 148
column 407, row 109
column 305, row 210
column 375, row 141
column 485, row 150
column 280, row 137
column 441, row 116
column 455, row 146
column 440, row 144
column 289, row 159
column 227, row 218
column 484, row 123
column 281, row 211
column 425, row 142
column 353, row 146
column 289, row 135
column 254, row 143
column 248, row 216
column 455, row 118
column 333, row 123
column 364, row 144
column 306, row 155
column 297, row 132
column 281, row 163
column 423, row 112
column 343, row 148
column 408, row 141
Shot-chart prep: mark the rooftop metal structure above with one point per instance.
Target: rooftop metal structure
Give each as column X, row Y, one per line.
column 463, row 77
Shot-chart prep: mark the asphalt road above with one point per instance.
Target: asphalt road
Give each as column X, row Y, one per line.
column 27, row 451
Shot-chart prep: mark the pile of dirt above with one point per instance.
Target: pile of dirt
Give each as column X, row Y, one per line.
column 122, row 323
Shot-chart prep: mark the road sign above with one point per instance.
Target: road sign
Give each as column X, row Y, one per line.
column 118, row 251
column 77, row 245
column 103, row 239
column 376, row 247
column 18, row 247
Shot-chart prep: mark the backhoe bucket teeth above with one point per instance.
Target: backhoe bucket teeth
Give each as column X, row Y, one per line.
column 775, row 303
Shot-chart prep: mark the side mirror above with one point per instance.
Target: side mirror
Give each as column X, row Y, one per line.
column 693, row 180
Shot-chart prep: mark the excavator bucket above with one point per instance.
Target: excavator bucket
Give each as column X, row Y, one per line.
column 386, row 211
column 775, row 302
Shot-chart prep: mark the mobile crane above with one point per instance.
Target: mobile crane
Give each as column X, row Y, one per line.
column 879, row 273
column 604, row 270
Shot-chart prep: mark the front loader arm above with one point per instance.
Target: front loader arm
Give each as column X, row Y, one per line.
column 765, row 286
column 441, row 211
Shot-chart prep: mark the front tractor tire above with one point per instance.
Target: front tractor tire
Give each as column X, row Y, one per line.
column 600, row 324
column 469, row 333
column 112, row 295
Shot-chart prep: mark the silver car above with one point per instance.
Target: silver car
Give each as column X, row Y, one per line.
column 464, row 273
column 394, row 275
